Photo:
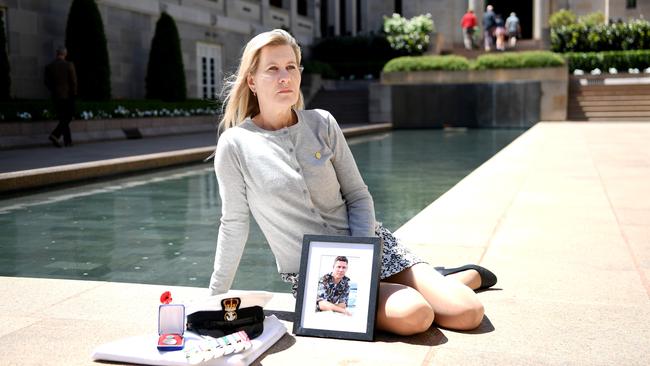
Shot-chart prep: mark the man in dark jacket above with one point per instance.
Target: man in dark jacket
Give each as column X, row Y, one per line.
column 61, row 80
column 489, row 23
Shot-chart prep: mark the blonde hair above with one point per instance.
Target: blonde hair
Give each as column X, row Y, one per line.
column 239, row 101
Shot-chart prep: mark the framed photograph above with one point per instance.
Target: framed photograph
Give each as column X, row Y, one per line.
column 339, row 284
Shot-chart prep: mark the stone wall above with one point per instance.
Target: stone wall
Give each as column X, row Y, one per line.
column 506, row 104
column 25, row 134
column 37, row 27
column 547, row 104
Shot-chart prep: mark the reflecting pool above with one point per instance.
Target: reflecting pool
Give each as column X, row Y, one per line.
column 161, row 227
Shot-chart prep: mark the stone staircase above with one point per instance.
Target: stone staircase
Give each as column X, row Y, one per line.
column 346, row 100
column 522, row 45
column 595, row 100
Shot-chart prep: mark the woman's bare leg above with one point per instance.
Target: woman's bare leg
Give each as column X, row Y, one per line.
column 455, row 305
column 402, row 310
column 469, row 278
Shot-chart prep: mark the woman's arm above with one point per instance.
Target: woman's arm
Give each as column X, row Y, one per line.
column 361, row 209
column 233, row 230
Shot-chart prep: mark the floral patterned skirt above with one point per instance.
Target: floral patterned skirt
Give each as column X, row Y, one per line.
column 394, row 259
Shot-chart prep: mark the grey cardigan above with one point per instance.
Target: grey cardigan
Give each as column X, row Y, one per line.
column 297, row 180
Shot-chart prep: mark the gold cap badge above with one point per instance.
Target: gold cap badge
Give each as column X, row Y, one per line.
column 230, row 306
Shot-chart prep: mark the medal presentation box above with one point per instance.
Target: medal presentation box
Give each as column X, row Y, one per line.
column 171, row 327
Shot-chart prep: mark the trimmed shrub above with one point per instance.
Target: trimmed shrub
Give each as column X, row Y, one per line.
column 165, row 78
column 581, row 37
column 39, row 110
column 529, row 59
column 421, row 63
column 5, row 77
column 592, row 19
column 409, row 35
column 561, row 18
column 515, row 60
column 354, row 56
column 620, row 60
column 86, row 44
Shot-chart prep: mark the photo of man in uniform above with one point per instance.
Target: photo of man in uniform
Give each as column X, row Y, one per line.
column 334, row 288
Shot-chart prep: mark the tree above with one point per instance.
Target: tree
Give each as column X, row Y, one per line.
column 86, row 44
column 165, row 72
column 5, row 78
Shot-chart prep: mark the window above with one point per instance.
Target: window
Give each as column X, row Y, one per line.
column 325, row 29
column 302, row 7
column 208, row 70
column 359, row 28
column 630, row 4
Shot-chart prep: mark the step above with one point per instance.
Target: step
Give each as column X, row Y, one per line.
column 609, row 119
column 590, row 102
column 614, row 98
column 617, row 114
column 611, row 107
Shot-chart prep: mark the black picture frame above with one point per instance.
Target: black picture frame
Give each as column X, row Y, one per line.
column 364, row 264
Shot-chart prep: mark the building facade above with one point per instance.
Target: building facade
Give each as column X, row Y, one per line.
column 213, row 32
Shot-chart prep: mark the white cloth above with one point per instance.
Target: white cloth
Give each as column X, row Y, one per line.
column 142, row 349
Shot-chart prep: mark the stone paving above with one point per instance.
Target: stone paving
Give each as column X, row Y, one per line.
column 562, row 215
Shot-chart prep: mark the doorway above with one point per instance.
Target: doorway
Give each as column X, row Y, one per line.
column 523, row 9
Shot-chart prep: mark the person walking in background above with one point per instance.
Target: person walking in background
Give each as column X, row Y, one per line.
column 468, row 22
column 500, row 33
column 513, row 29
column 61, row 81
column 489, row 23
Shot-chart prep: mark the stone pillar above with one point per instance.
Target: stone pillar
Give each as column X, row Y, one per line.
column 351, row 16
column 265, row 12
column 315, row 6
column 473, row 4
column 364, row 16
column 293, row 16
column 335, row 14
column 537, row 19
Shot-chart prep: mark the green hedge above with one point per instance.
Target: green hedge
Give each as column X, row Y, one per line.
column 518, row 60
column 581, row 37
column 620, row 60
column 420, row 63
column 38, row 110
column 491, row 61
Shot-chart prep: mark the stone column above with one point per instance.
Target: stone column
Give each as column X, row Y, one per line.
column 473, row 4
column 351, row 16
column 537, row 19
column 265, row 12
column 293, row 16
column 335, row 14
column 315, row 6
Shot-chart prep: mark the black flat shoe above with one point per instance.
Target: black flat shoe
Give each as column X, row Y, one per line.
column 488, row 279
column 55, row 141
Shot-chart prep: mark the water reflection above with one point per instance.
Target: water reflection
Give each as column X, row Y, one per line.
column 161, row 228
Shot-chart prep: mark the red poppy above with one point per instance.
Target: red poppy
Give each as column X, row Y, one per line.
column 166, row 297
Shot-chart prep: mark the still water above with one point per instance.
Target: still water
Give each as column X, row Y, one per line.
column 161, row 228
